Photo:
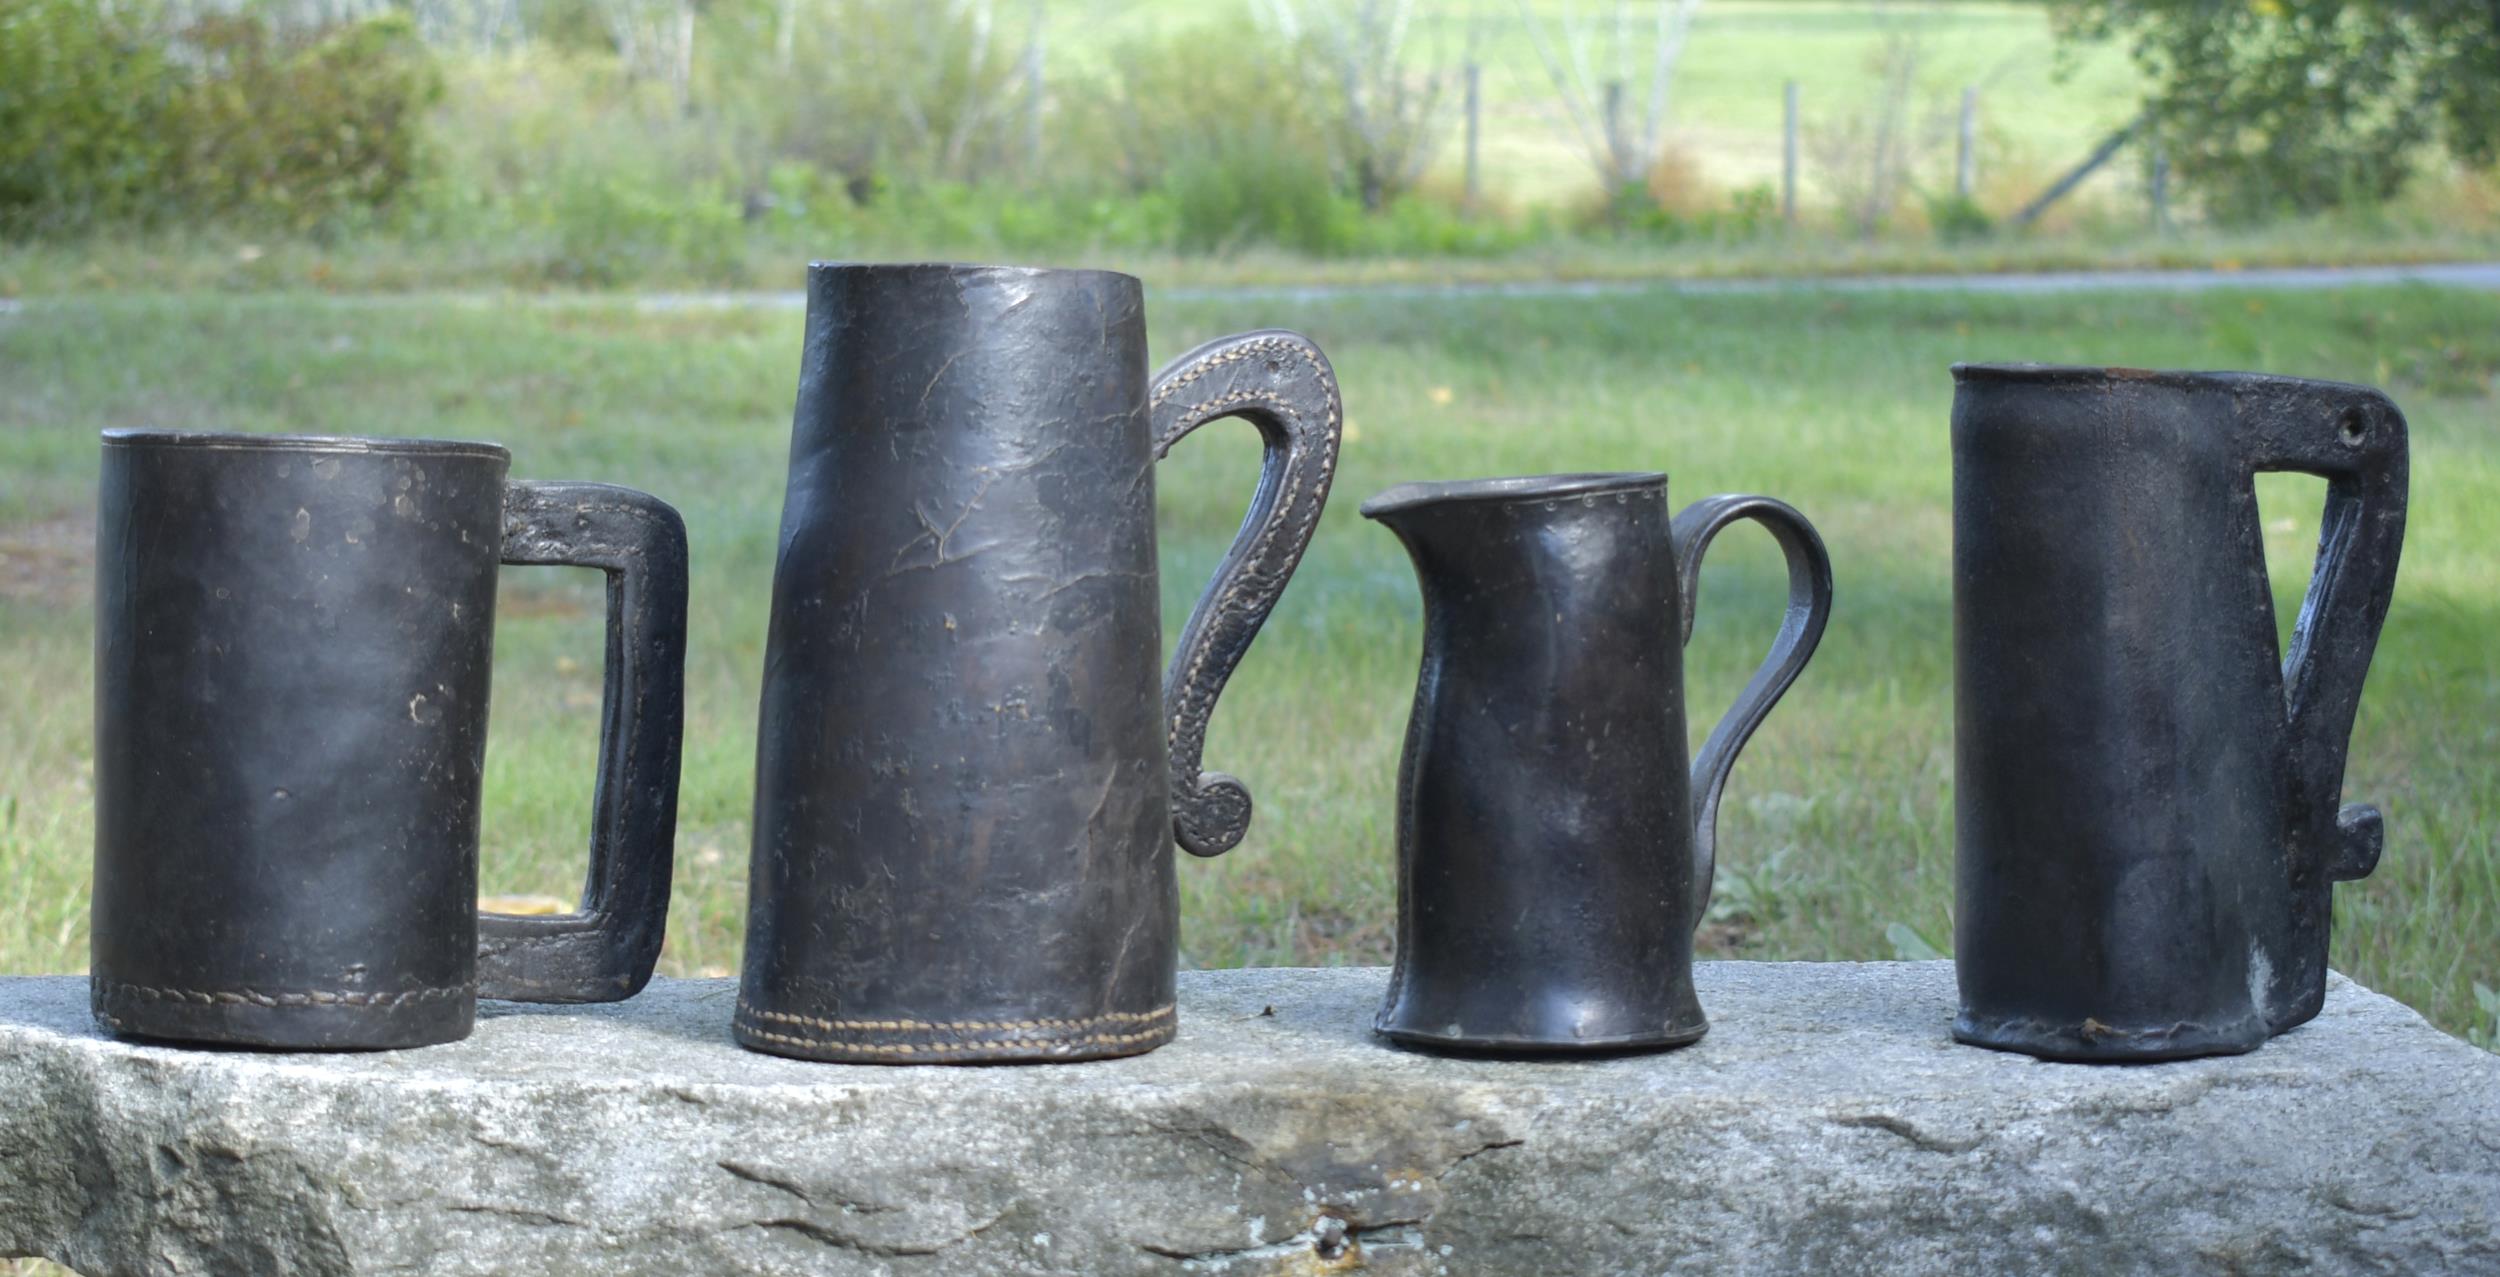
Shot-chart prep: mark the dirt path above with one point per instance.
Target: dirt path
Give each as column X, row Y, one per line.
column 2484, row 276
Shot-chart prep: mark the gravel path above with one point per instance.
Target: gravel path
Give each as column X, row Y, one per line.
column 2483, row 276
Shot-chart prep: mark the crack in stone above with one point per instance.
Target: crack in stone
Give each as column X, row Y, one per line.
column 1894, row 1124
column 543, row 1219
column 1474, row 1153
column 769, row 1180
column 829, row 1236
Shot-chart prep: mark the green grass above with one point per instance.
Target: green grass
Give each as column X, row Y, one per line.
column 1838, row 819
column 224, row 261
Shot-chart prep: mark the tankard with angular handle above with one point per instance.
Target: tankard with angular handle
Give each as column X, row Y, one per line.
column 293, row 639
column 2146, row 798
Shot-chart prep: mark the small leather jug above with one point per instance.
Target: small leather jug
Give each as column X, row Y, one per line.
column 1554, row 850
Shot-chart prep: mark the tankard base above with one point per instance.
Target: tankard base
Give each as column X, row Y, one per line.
column 1487, row 1044
column 2093, row 1042
column 901, row 1040
column 289, row 1021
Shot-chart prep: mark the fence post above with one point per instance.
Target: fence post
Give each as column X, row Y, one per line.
column 1966, row 157
column 1475, row 108
column 1788, row 154
column 2161, row 186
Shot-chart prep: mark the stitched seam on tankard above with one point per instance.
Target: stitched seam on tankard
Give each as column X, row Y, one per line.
column 960, row 1048
column 1106, row 1019
column 258, row 998
column 1185, row 718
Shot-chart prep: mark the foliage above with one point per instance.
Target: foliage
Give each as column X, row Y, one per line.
column 1870, row 159
column 1621, row 152
column 877, row 90
column 1956, row 217
column 84, row 94
column 1381, row 117
column 108, row 117
column 2298, row 105
column 1210, row 119
column 302, row 131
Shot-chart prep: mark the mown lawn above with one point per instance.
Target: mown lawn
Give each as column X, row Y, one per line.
column 1839, row 819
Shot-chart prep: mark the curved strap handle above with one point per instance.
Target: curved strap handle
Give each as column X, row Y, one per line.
column 1280, row 382
column 2355, row 439
column 1801, row 628
column 605, row 952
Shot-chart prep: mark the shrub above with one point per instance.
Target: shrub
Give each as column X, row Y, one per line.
column 84, row 101
column 1211, row 121
column 105, row 117
column 302, row 132
column 1957, row 217
column 615, row 226
column 880, row 92
column 1245, row 189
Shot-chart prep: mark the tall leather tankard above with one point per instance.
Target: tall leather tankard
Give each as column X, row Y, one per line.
column 2146, row 816
column 968, row 778
column 1554, row 852
column 293, row 638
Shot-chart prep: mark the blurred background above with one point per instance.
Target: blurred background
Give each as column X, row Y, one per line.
column 1739, row 240
column 717, row 143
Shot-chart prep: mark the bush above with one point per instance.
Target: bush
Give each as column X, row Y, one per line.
column 1957, row 217
column 612, row 227
column 84, row 101
column 1244, row 189
column 303, row 132
column 105, row 118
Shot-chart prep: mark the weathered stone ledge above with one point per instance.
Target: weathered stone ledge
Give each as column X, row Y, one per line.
column 1827, row 1124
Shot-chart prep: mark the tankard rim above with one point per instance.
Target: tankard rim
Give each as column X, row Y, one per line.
column 2030, row 372
column 235, row 441
column 816, row 269
column 1534, row 487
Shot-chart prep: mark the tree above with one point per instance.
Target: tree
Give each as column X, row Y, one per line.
column 2271, row 105
column 1382, row 117
column 1593, row 101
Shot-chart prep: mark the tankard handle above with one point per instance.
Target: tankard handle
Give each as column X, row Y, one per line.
column 1801, row 628
column 606, row 950
column 1281, row 383
column 2355, row 439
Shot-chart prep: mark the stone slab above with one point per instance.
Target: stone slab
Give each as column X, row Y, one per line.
column 1826, row 1125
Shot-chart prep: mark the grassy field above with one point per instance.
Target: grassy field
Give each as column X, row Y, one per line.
column 1837, row 838
column 2041, row 109
column 2039, row 112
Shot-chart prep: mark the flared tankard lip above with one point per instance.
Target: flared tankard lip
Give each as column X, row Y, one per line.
column 1537, row 487
column 229, row 441
column 817, row 270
